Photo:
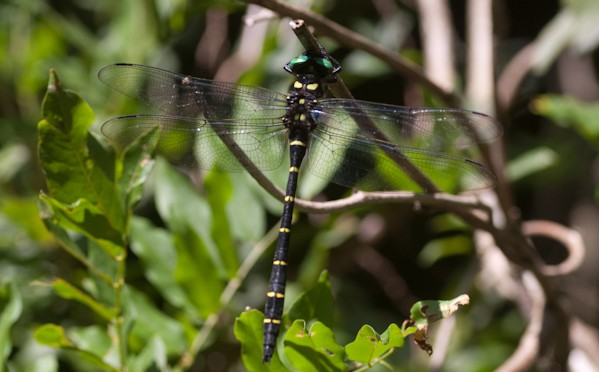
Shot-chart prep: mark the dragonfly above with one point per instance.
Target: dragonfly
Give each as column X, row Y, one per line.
column 371, row 146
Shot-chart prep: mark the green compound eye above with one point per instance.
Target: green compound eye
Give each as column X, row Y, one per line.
column 312, row 64
column 298, row 60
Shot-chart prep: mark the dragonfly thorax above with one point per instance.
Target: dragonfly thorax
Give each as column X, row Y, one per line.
column 303, row 95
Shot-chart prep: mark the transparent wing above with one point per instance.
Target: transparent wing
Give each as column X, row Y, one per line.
column 372, row 166
column 203, row 143
column 381, row 147
column 427, row 128
column 181, row 95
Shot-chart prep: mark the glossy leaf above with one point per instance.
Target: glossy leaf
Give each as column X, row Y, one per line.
column 65, row 152
column 248, row 331
column 368, row 345
column 313, row 349
column 315, row 304
column 86, row 218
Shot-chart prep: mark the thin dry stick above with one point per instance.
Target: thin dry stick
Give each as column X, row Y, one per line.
column 437, row 46
column 525, row 354
column 352, row 40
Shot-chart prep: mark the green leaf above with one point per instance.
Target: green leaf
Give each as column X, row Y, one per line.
column 152, row 357
column 438, row 249
column 245, row 209
column 52, row 335
column 569, row 112
column 11, row 307
column 369, row 346
column 84, row 218
column 155, row 248
column 69, row 292
column 315, row 304
column 530, row 162
column 574, row 26
column 425, row 313
column 25, row 213
column 218, row 193
column 249, row 332
column 93, row 339
column 200, row 270
column 77, row 166
column 136, row 165
column 147, row 321
column 314, row 349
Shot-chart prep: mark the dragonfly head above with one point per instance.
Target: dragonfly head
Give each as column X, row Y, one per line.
column 324, row 67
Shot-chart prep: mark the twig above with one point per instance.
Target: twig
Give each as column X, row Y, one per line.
column 352, row 40
column 569, row 238
column 529, row 345
column 437, row 46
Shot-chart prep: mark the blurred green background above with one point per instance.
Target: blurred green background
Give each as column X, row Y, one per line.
column 382, row 258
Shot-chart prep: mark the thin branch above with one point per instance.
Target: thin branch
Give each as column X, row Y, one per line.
column 437, row 46
column 569, row 238
column 352, row 40
column 529, row 345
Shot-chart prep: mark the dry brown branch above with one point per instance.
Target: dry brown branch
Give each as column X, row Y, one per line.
column 569, row 238
column 352, row 40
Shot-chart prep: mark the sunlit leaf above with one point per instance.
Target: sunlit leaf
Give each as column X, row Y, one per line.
column 316, row 304
column 248, row 331
column 574, row 26
column 313, row 349
column 569, row 112
column 52, row 335
column 368, row 345
column 76, row 164
column 86, row 218
column 530, row 162
column 438, row 249
column 425, row 313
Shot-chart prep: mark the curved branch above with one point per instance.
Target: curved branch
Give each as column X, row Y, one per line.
column 569, row 238
column 529, row 345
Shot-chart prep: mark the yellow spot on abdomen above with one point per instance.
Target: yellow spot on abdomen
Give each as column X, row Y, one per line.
column 297, row 143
